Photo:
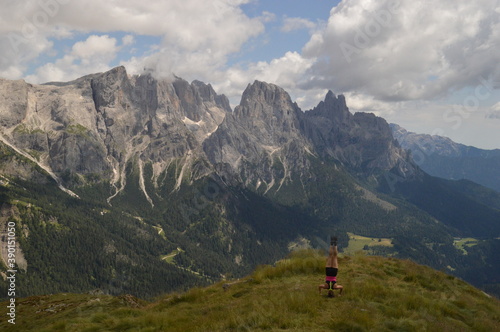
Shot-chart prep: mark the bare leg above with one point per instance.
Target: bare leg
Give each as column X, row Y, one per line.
column 332, row 257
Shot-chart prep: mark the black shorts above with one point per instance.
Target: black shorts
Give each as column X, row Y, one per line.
column 331, row 271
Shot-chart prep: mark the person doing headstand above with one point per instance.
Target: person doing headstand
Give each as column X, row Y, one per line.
column 332, row 268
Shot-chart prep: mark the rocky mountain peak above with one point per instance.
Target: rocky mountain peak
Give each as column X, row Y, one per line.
column 265, row 100
column 106, row 87
column 115, row 77
column 208, row 94
column 189, row 98
column 362, row 140
column 196, row 97
column 261, row 141
column 333, row 108
column 264, row 92
column 331, row 100
column 268, row 111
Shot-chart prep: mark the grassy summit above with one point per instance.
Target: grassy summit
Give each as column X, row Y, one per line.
column 381, row 294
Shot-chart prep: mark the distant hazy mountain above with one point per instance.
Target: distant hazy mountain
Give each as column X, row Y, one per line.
column 440, row 156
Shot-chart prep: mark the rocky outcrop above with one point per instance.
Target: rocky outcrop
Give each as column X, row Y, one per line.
column 10, row 222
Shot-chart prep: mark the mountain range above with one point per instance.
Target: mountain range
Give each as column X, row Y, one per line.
column 141, row 185
column 440, row 156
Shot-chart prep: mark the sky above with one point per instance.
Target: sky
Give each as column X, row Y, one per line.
column 432, row 67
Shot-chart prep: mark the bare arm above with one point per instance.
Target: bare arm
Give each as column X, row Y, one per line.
column 339, row 287
column 322, row 286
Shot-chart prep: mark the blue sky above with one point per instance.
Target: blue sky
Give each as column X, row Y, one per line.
column 280, row 42
column 434, row 72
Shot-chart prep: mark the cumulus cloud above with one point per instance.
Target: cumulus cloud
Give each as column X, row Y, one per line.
column 496, row 107
column 91, row 55
column 297, row 23
column 406, row 50
column 287, row 72
column 25, row 31
column 102, row 47
column 195, row 34
column 128, row 40
column 494, row 112
column 15, row 59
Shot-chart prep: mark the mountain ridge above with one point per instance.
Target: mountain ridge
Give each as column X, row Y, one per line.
column 139, row 108
column 442, row 157
column 170, row 179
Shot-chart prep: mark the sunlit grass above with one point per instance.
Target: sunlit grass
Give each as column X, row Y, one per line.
column 170, row 257
column 358, row 243
column 380, row 294
column 464, row 243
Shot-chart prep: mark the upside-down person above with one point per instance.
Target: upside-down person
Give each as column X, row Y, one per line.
column 332, row 268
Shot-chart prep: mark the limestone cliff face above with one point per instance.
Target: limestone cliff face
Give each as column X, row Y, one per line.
column 261, row 142
column 14, row 104
column 52, row 126
column 363, row 140
column 93, row 126
column 90, row 129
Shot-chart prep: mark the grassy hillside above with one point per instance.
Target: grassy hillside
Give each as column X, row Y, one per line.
column 381, row 294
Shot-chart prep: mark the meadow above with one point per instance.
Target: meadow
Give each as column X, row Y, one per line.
column 381, row 294
column 358, row 243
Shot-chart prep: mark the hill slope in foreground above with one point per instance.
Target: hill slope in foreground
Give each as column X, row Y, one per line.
column 381, row 294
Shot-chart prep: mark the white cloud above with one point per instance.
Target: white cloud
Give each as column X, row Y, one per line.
column 95, row 46
column 89, row 56
column 297, row 23
column 496, row 107
column 286, row 72
column 494, row 112
column 267, row 17
column 128, row 40
column 195, row 34
column 404, row 50
column 11, row 72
